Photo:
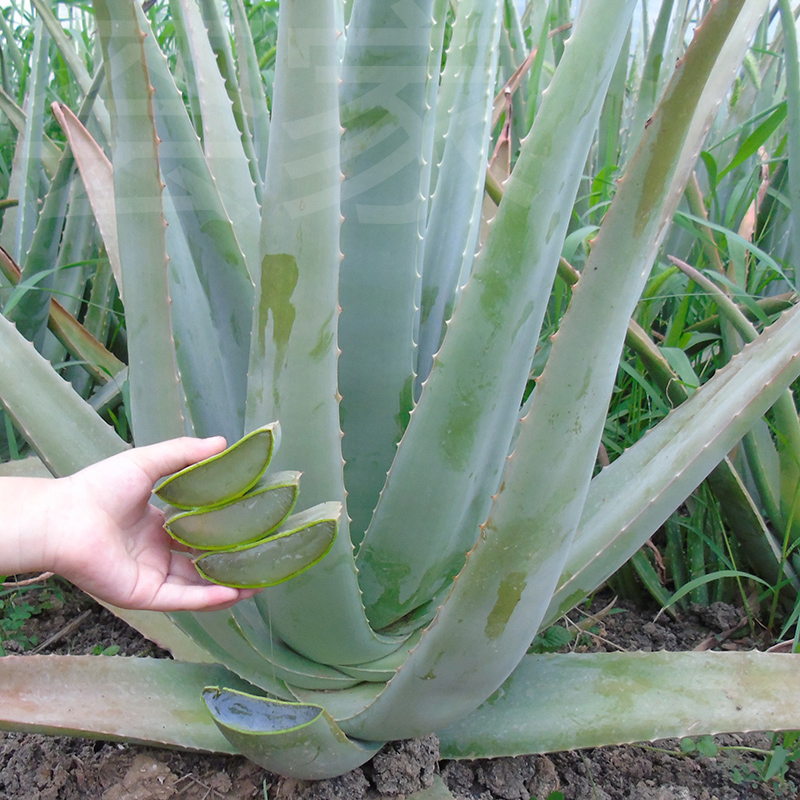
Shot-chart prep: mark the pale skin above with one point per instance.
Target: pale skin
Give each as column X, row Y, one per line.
column 98, row 529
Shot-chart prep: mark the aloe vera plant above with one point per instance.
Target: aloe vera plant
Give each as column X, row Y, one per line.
column 327, row 279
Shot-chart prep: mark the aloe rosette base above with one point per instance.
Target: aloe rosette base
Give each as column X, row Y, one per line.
column 329, row 281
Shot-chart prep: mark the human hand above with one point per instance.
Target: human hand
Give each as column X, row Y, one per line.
column 107, row 538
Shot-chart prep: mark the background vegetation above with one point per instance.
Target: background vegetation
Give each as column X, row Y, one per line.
column 722, row 271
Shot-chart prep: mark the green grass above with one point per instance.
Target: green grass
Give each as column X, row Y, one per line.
column 18, row 604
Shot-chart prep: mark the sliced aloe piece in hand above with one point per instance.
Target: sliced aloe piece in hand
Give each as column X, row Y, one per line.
column 242, row 521
column 302, row 541
column 225, row 476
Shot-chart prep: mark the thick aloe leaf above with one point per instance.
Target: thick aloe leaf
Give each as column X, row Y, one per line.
column 216, row 395
column 29, row 153
column 300, row 741
column 250, row 517
column 67, row 50
column 302, row 541
column 509, row 577
column 225, row 476
column 221, row 137
column 144, row 700
column 629, row 499
column 383, row 101
column 450, row 459
column 651, row 73
column 571, row 399
column 32, row 312
column 286, row 664
column 784, row 415
column 11, row 49
column 211, row 313
column 159, row 628
column 98, row 180
column 344, row 704
column 156, row 406
column 763, row 464
column 454, row 220
column 75, row 338
column 219, row 38
column 567, row 702
column 792, row 67
column 251, row 88
column 742, row 516
column 50, row 150
column 102, row 364
column 11, row 213
column 294, row 349
column 28, row 467
column 220, row 636
column 437, row 115
column 510, row 59
column 199, row 351
column 382, row 669
column 65, row 431
column 186, row 74
column 78, row 248
column 440, row 98
column 293, row 373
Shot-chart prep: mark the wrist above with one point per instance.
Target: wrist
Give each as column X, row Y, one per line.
column 61, row 518
column 28, row 509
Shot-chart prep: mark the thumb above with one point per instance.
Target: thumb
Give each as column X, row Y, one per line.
column 164, row 458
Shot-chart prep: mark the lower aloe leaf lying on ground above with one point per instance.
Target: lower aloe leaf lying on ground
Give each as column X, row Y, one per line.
column 146, row 700
column 292, row 738
column 565, row 702
column 550, row 702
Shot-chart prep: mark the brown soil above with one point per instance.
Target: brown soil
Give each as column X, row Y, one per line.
column 34, row 767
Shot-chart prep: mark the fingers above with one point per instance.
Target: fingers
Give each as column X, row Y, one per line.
column 185, row 590
column 183, row 597
column 164, row 458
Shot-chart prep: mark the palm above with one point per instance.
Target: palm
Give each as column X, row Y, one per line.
column 117, row 548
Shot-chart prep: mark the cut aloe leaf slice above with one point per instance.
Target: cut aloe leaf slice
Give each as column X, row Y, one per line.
column 293, row 739
column 302, row 542
column 225, row 476
column 242, row 521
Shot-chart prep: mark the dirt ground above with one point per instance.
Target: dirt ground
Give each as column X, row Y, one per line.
column 34, row 767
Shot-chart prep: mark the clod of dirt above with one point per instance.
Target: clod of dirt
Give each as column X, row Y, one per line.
column 506, row 778
column 146, row 779
column 406, row 766
column 352, row 786
column 718, row 616
column 545, row 778
column 459, row 778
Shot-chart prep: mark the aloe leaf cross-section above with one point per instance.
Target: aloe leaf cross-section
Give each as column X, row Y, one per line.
column 225, row 476
column 242, row 521
column 303, row 541
column 296, row 739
